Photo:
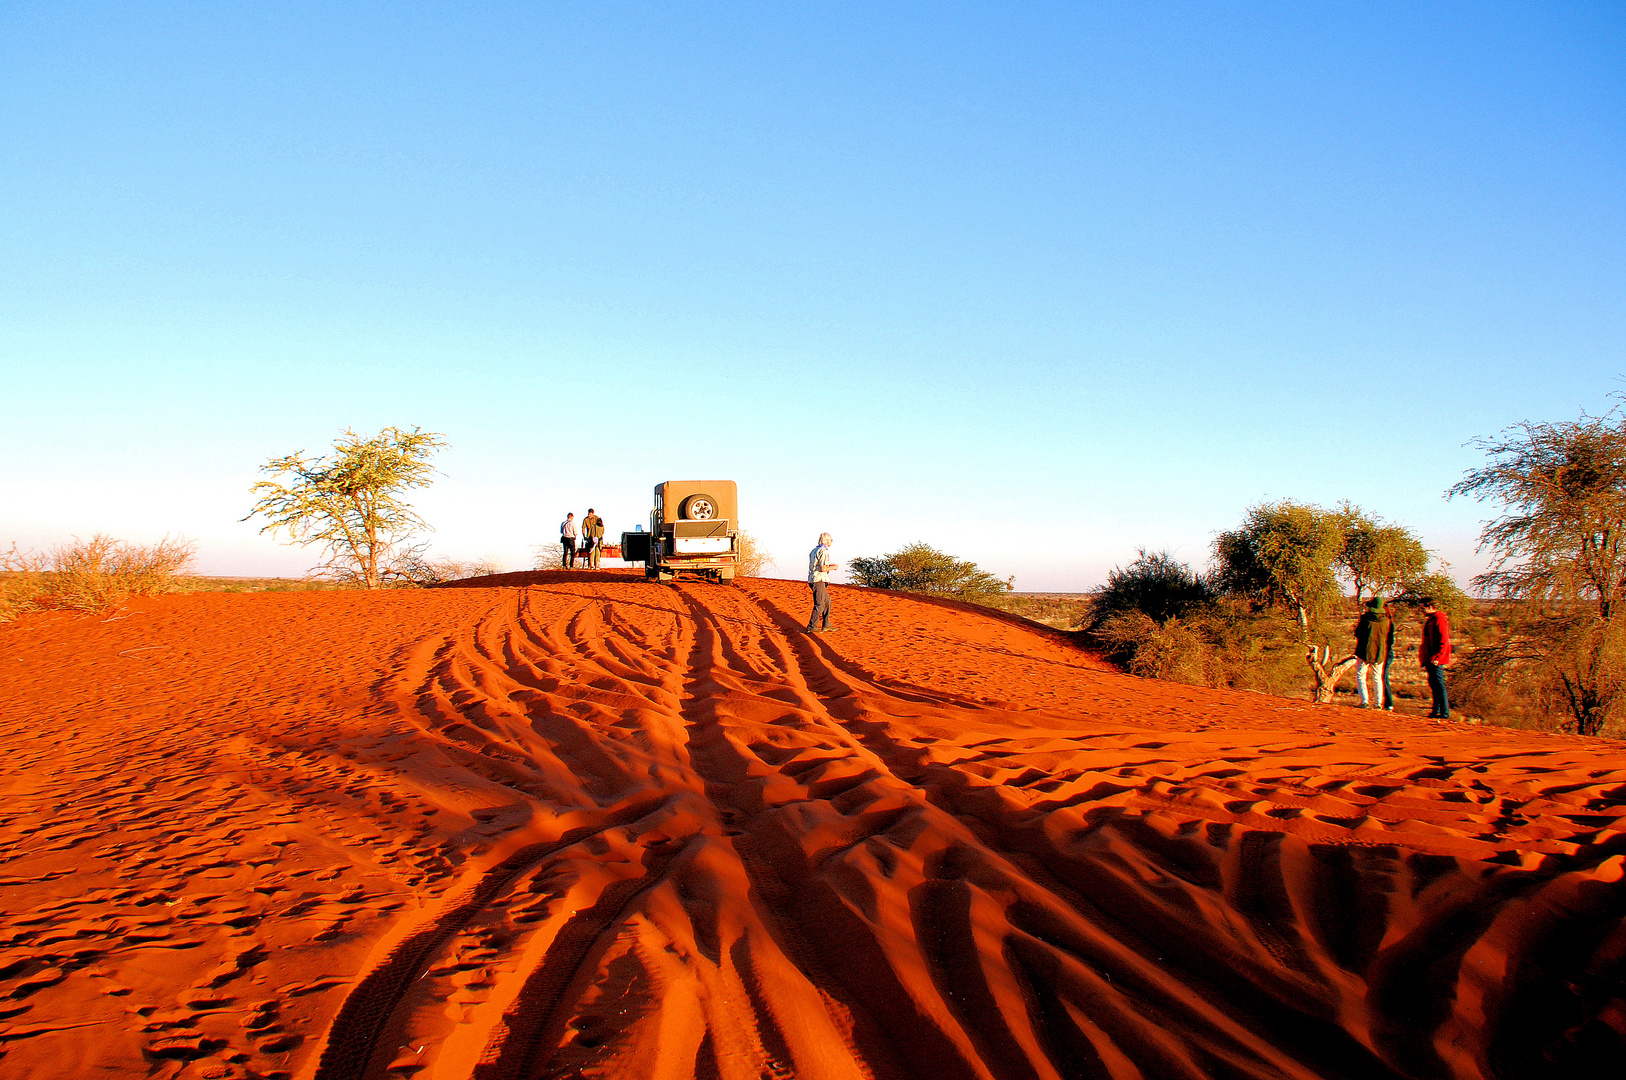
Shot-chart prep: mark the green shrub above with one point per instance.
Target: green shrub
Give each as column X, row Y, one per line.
column 922, row 568
column 1154, row 585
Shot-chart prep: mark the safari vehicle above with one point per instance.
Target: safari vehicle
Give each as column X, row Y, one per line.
column 694, row 530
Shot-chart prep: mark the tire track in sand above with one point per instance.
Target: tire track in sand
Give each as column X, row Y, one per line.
column 746, row 854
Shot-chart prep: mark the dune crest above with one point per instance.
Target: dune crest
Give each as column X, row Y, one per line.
column 595, row 827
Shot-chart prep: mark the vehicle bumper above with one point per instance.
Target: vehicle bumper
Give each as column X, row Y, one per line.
column 696, row 562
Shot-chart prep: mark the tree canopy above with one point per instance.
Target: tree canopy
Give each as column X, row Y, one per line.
column 1384, row 558
column 1559, row 553
column 1563, row 535
column 1283, row 555
column 350, row 501
column 921, row 568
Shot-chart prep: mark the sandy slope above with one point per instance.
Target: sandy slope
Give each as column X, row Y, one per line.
column 606, row 828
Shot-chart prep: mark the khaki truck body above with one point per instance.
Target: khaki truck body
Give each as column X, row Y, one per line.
column 694, row 529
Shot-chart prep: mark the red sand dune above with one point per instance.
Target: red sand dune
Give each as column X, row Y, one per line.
column 599, row 827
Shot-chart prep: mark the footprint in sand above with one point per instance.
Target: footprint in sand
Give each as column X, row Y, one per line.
column 739, row 854
column 183, row 1047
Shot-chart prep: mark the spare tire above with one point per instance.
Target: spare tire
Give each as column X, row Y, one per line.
column 698, row 508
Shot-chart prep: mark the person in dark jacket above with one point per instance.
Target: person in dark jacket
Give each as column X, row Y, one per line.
column 1372, row 635
column 592, row 537
column 1434, row 653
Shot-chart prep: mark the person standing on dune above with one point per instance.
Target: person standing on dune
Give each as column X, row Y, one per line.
column 819, row 568
column 1388, row 661
column 567, row 541
column 1371, row 639
column 1434, row 653
column 592, row 536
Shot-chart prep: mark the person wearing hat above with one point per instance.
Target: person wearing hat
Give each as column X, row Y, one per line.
column 1372, row 634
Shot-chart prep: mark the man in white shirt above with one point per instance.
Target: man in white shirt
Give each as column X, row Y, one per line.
column 819, row 568
column 567, row 540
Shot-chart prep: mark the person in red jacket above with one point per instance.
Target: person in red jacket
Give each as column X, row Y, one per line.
column 1434, row 653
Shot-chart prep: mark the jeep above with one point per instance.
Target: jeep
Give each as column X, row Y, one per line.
column 693, row 530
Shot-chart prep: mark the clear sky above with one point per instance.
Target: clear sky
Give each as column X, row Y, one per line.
column 1037, row 284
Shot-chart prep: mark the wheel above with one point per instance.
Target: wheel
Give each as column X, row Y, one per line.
column 698, row 508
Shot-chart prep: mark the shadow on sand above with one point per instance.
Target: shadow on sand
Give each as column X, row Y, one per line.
column 522, row 578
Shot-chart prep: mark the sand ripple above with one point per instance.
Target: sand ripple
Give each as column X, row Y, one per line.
column 599, row 827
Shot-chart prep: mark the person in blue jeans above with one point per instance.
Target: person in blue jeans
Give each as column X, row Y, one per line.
column 1389, row 651
column 1372, row 635
column 1434, row 653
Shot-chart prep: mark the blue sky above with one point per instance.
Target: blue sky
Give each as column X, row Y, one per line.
column 1038, row 284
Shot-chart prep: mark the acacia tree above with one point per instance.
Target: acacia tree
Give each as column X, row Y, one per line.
column 1563, row 538
column 1559, row 553
column 1282, row 556
column 1285, row 556
column 919, row 567
column 350, row 503
column 1289, row 555
column 1387, row 559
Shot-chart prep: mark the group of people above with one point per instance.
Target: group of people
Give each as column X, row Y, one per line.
column 1374, row 632
column 1374, row 647
column 586, row 541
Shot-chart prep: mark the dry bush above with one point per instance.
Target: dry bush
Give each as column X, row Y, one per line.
column 91, row 575
column 255, row 585
column 752, row 560
column 453, row 570
column 1561, row 671
column 23, row 582
column 548, row 556
column 414, row 569
column 1253, row 650
column 1551, row 670
column 1504, row 697
column 1145, row 647
column 1062, row 611
column 1224, row 646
